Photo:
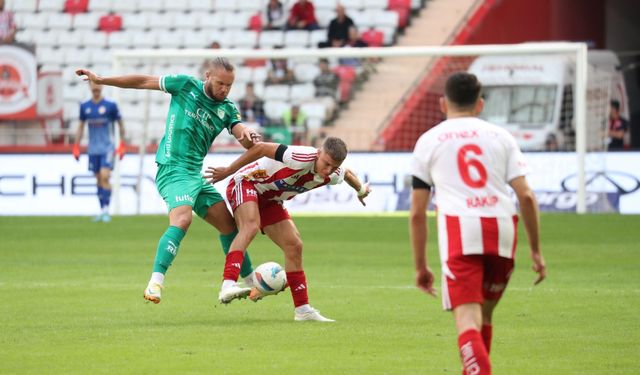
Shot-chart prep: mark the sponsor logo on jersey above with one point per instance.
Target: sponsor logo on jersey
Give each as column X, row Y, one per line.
column 169, row 136
column 221, row 113
column 102, row 110
column 192, row 94
column 201, row 116
column 284, row 186
column 251, row 192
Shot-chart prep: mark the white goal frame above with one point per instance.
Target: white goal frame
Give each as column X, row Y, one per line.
column 579, row 50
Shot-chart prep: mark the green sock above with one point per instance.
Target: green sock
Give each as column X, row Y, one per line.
column 167, row 249
column 225, row 240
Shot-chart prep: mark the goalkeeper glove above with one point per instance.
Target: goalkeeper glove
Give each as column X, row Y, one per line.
column 120, row 151
column 76, row 151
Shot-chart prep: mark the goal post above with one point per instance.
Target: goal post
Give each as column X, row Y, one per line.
column 377, row 122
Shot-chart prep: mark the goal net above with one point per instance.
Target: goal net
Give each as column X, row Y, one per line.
column 382, row 99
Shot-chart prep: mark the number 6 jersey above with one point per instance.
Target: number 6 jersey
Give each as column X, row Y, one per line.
column 470, row 162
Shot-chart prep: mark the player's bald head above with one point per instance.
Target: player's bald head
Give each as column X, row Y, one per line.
column 462, row 90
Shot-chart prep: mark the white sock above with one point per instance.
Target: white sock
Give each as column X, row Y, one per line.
column 157, row 278
column 105, row 210
column 249, row 280
column 227, row 283
column 303, row 309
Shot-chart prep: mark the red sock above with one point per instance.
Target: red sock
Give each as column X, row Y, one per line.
column 475, row 360
column 232, row 265
column 298, row 284
column 487, row 334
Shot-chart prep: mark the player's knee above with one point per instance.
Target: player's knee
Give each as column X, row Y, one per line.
column 182, row 221
column 250, row 228
column 294, row 250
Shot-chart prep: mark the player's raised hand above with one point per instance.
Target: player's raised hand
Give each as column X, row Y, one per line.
column 424, row 281
column 215, row 174
column 363, row 193
column 538, row 266
column 86, row 74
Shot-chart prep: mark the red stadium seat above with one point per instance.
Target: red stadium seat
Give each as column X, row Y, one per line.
column 403, row 17
column 347, row 76
column 76, row 6
column 255, row 22
column 110, row 22
column 374, row 38
column 400, row 4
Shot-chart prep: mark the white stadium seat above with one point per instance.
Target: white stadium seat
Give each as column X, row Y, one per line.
column 101, row 57
column 302, row 92
column 22, row 6
column 364, row 18
column 325, row 5
column 86, row 21
column 50, row 56
column 146, row 39
column 94, row 38
column 46, row 39
column 59, row 21
column 274, row 109
column 315, row 110
column 277, row 92
column 252, row 6
column 122, row 7
column 200, row 5
column 317, row 36
column 386, row 18
column 243, row 38
column 226, row 5
column 237, row 20
column 104, row 5
column 150, row 5
column 70, row 38
column 324, row 17
column 120, row 39
column 168, row 38
column 375, row 4
column 33, row 21
column 212, row 21
column 162, row 20
column 77, row 57
column 270, row 39
column 351, row 5
column 260, row 74
column 190, row 20
column 243, row 74
column 237, row 91
column 176, row 6
column 296, row 39
column 50, row 5
column 135, row 21
column 306, row 72
column 196, row 39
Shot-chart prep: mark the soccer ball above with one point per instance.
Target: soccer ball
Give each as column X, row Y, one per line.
column 269, row 278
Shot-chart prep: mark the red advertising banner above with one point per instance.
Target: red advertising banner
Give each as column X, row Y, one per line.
column 18, row 83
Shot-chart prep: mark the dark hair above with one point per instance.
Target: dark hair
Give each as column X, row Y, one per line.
column 463, row 90
column 221, row 62
column 336, row 148
column 615, row 104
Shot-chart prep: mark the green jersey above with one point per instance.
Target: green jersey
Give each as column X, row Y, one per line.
column 193, row 122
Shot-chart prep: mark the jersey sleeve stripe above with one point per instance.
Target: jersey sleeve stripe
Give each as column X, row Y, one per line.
column 161, row 83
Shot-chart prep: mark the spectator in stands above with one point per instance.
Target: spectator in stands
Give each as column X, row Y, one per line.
column 551, row 143
column 302, row 16
column 354, row 41
column 295, row 120
column 338, row 33
column 618, row 127
column 327, row 81
column 274, row 16
column 252, row 106
column 205, row 64
column 7, row 25
column 280, row 73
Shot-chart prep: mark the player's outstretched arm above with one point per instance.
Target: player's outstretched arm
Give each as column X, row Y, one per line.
column 246, row 136
column 362, row 189
column 418, row 231
column 531, row 218
column 133, row 81
column 261, row 149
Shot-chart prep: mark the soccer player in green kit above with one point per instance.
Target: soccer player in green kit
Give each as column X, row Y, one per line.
column 198, row 112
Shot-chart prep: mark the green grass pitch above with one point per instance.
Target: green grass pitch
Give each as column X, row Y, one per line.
column 71, row 302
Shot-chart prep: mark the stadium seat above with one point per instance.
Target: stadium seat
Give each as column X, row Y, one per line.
column 163, row 21
column 375, row 4
column 23, row 6
column 68, row 39
column 169, row 39
column 50, row 56
column 305, row 72
column 236, row 20
column 325, row 5
column 188, row 21
column 396, row 4
column 259, row 76
column 324, row 17
column 53, row 6
column 243, row 38
column 302, row 92
column 120, row 39
column 389, row 33
column 315, row 109
column 374, row 38
column 46, row 39
column 200, row 5
column 35, row 21
column 255, row 22
column 274, row 109
column 244, row 74
column 135, row 21
column 150, row 5
column 196, row 39
column 103, row 6
column 271, row 39
column 94, row 39
column 296, row 39
column 351, row 5
column 403, row 17
column 86, row 21
column 76, row 6
column 252, row 6
column 317, row 36
column 276, row 92
column 364, row 19
column 226, row 5
column 58, row 22
column 77, row 57
column 110, row 22
column 100, row 56
column 212, row 21
column 386, row 19
column 237, row 91
column 124, row 7
column 145, row 39
column 176, row 7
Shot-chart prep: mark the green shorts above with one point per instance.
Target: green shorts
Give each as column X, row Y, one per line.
column 183, row 187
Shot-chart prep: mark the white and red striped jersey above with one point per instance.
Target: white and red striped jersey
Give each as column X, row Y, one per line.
column 281, row 181
column 470, row 162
